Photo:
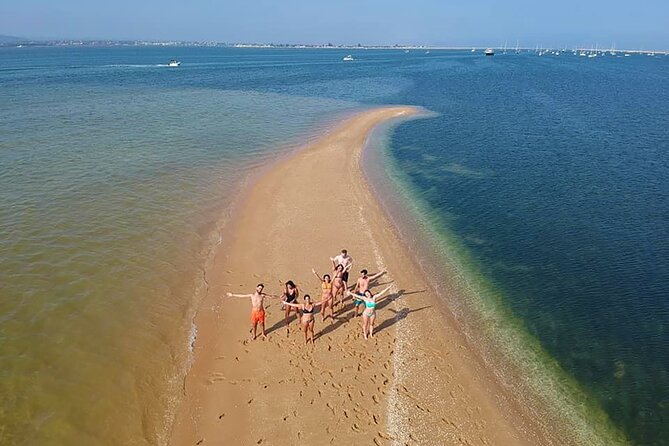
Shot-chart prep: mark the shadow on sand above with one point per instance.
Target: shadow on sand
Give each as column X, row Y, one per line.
column 347, row 313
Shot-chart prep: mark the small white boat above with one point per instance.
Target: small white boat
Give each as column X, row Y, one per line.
column 473, row 50
column 489, row 52
column 406, row 51
column 173, row 63
column 348, row 58
column 427, row 52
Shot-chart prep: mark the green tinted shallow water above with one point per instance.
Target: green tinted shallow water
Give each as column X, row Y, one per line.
column 111, row 196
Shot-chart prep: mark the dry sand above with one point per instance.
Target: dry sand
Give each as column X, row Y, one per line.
column 416, row 382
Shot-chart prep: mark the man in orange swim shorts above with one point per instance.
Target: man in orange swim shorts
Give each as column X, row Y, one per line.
column 257, row 309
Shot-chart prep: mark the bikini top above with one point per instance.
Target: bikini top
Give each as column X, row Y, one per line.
column 326, row 286
column 304, row 310
column 291, row 297
column 369, row 304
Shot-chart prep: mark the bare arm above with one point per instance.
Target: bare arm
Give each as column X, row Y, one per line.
column 293, row 305
column 381, row 293
column 239, row 295
column 377, row 275
column 349, row 266
column 316, row 274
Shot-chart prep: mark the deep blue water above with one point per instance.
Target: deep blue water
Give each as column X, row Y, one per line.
column 552, row 171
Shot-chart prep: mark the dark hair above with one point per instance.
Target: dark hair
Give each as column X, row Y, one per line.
column 306, row 296
column 339, row 266
column 363, row 271
column 343, row 251
column 326, row 275
column 260, row 284
column 370, row 293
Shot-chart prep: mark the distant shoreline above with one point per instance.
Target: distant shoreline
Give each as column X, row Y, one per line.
column 19, row 42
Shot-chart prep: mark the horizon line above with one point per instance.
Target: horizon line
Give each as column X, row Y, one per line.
column 21, row 41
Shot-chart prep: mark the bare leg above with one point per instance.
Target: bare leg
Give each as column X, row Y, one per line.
column 311, row 331
column 254, row 330
column 262, row 329
column 324, row 306
column 287, row 319
column 305, row 327
column 372, row 318
column 365, row 321
column 338, row 291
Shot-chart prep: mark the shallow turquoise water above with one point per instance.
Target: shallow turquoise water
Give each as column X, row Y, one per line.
column 551, row 174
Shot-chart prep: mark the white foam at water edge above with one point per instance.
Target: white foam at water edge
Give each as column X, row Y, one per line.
column 192, row 337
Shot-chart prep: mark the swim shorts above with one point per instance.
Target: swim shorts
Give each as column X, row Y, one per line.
column 257, row 316
column 344, row 276
column 357, row 301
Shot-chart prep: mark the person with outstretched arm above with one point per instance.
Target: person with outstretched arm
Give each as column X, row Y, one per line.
column 257, row 309
column 369, row 315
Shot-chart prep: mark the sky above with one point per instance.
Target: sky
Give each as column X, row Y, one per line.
column 629, row 24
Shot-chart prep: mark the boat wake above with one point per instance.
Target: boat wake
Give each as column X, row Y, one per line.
column 136, row 65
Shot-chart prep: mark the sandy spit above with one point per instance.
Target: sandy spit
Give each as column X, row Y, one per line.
column 416, row 382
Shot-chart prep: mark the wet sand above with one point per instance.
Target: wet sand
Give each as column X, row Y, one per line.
column 416, row 382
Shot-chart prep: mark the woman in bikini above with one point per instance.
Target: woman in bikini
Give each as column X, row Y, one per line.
column 338, row 282
column 369, row 315
column 308, row 308
column 290, row 296
column 326, row 298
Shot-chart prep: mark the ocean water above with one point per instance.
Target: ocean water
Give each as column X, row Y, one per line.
column 545, row 178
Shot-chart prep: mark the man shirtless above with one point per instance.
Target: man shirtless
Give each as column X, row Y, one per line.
column 257, row 309
column 362, row 285
column 346, row 261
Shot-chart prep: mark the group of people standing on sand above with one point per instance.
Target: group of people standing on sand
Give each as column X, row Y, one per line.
column 334, row 292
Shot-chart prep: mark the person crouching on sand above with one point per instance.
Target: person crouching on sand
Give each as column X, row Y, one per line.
column 308, row 321
column 362, row 285
column 257, row 309
column 327, row 300
column 369, row 315
column 290, row 296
